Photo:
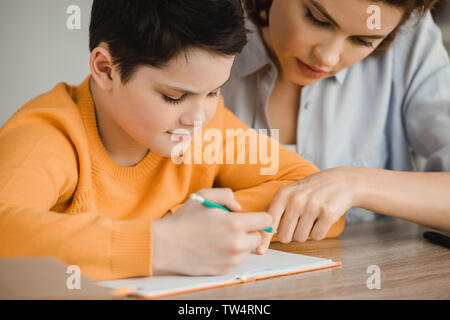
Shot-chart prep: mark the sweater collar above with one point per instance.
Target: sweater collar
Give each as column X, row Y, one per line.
column 99, row 154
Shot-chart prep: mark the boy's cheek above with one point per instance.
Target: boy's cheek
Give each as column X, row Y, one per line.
column 212, row 109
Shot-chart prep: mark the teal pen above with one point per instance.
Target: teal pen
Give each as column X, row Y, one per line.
column 211, row 204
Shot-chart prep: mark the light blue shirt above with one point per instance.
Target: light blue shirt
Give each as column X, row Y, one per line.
column 371, row 114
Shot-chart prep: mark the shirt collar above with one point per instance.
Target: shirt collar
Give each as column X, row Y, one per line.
column 341, row 75
column 254, row 55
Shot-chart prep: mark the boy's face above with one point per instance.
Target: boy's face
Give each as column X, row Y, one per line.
column 156, row 102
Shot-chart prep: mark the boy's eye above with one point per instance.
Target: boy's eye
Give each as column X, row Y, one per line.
column 173, row 100
column 214, row 94
column 318, row 22
column 180, row 99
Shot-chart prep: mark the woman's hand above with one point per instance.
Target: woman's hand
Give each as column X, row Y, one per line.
column 309, row 207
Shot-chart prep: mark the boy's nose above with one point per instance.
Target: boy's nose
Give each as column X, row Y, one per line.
column 192, row 118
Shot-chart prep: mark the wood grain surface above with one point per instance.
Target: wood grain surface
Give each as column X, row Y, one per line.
column 410, row 267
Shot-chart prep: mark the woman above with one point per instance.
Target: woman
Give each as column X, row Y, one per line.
column 354, row 98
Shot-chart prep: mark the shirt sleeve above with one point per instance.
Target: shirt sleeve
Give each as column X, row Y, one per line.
column 38, row 172
column 427, row 101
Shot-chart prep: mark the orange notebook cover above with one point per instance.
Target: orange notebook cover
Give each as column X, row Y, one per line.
column 255, row 267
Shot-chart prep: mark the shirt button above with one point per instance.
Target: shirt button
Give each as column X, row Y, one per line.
column 306, row 106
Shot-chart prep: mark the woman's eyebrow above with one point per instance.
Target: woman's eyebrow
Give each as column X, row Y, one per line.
column 327, row 15
column 324, row 12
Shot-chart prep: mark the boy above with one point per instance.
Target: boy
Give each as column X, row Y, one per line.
column 86, row 173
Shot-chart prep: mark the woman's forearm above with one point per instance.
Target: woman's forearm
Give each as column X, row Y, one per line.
column 420, row 197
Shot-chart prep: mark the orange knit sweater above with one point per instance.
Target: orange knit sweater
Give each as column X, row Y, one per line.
column 61, row 194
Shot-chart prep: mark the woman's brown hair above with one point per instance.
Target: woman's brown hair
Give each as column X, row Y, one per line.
column 258, row 12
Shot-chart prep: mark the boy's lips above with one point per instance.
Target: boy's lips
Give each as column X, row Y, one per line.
column 180, row 136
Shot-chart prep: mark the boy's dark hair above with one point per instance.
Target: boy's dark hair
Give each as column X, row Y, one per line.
column 152, row 32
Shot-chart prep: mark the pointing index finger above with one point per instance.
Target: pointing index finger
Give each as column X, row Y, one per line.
column 275, row 209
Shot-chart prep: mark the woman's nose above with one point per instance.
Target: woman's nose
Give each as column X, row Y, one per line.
column 328, row 54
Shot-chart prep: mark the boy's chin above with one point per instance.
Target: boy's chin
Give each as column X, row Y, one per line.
column 163, row 151
column 170, row 149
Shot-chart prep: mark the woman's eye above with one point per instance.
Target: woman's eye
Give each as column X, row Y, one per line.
column 363, row 42
column 173, row 100
column 321, row 23
column 318, row 22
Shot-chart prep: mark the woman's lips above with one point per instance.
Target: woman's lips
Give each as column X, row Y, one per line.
column 310, row 71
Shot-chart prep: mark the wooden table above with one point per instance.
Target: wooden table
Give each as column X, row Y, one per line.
column 410, row 267
column 44, row 278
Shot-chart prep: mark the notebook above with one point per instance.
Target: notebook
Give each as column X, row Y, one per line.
column 254, row 267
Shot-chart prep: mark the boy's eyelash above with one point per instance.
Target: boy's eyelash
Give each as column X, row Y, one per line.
column 179, row 100
column 311, row 17
column 173, row 101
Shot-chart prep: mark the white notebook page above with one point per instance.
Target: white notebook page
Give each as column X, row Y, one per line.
column 273, row 262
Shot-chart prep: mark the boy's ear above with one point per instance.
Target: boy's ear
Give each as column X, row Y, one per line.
column 101, row 64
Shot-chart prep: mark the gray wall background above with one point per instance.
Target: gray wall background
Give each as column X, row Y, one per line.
column 38, row 50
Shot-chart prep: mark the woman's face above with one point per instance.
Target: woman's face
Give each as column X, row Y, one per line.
column 315, row 39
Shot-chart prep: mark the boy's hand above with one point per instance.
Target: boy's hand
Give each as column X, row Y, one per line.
column 198, row 240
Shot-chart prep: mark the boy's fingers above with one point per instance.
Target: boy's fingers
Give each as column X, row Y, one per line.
column 254, row 239
column 252, row 221
column 265, row 242
column 222, row 196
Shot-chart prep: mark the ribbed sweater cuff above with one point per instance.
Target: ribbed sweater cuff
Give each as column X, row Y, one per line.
column 131, row 248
